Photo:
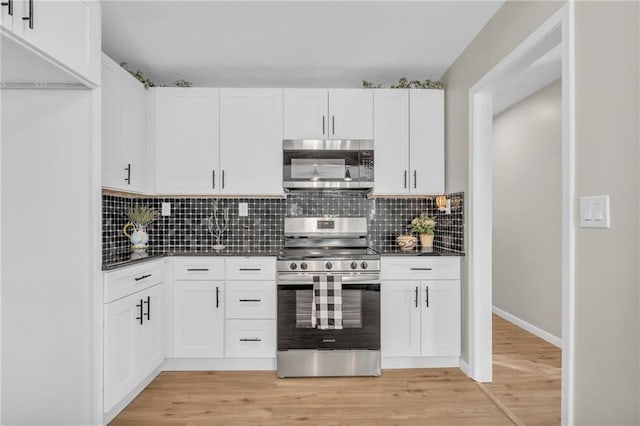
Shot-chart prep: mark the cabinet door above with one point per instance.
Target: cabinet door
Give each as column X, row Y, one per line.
column 186, row 141
column 391, row 136
column 306, row 113
column 440, row 318
column 400, row 318
column 113, row 168
column 150, row 342
column 251, row 141
column 251, row 339
column 121, row 332
column 351, row 114
column 426, row 136
column 198, row 319
column 68, row 31
column 251, row 299
column 133, row 132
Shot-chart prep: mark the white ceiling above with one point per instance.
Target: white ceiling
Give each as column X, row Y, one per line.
column 291, row 43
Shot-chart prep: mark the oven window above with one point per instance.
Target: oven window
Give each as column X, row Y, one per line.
column 351, row 308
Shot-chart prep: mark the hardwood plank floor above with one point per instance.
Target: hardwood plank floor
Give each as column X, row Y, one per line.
column 526, row 374
column 526, row 381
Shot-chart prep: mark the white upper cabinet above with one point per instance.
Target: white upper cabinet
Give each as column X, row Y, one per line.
column 67, row 31
column 306, row 114
column 351, row 113
column 426, row 135
column 391, row 135
column 328, row 114
column 185, row 126
column 409, row 142
column 124, row 147
column 251, row 141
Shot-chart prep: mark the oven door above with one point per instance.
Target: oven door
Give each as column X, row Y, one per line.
column 360, row 315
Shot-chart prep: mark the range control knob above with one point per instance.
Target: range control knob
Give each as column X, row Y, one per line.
column 328, row 265
column 303, row 266
column 364, row 265
column 293, row 266
column 354, row 265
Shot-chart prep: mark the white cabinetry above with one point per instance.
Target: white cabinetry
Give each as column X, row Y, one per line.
column 123, row 129
column 251, row 141
column 198, row 308
column 328, row 114
column 133, row 329
column 184, row 126
column 420, row 311
column 66, row 31
column 409, row 142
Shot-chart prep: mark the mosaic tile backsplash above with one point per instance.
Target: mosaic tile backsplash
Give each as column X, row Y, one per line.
column 262, row 230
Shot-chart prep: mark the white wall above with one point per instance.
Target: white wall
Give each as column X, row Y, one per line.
column 607, row 327
column 527, row 210
column 48, row 266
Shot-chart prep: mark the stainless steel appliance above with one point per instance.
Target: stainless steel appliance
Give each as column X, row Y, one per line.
column 327, row 164
column 328, row 246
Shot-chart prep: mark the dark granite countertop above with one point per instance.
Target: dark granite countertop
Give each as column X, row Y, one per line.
column 419, row 252
column 121, row 260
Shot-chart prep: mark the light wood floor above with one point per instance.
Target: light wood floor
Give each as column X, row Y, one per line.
column 398, row 397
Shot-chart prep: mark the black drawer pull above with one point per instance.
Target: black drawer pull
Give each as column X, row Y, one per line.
column 141, row 315
column 416, row 296
column 148, row 302
column 251, row 340
column 427, row 296
column 142, row 277
column 250, row 269
column 217, row 297
column 128, row 170
column 9, row 5
column 250, row 300
column 30, row 17
column 421, row 269
column 197, row 269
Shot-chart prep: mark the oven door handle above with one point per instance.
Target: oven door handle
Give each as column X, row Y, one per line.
column 346, row 279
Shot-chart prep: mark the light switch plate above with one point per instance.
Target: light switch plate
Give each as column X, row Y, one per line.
column 166, row 209
column 594, row 212
column 243, row 209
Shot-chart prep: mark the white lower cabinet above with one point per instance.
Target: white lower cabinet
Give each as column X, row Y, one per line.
column 251, row 338
column 133, row 341
column 420, row 316
column 198, row 319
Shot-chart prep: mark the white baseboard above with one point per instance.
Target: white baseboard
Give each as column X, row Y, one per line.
column 420, row 362
column 465, row 367
column 222, row 364
column 111, row 414
column 544, row 335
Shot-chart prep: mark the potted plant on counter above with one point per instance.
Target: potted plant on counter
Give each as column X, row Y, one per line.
column 139, row 218
column 424, row 225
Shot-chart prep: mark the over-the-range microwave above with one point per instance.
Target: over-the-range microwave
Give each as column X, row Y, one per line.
column 327, row 164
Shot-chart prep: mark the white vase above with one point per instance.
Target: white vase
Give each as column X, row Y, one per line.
column 139, row 237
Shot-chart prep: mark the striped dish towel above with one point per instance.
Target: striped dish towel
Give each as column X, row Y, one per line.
column 326, row 307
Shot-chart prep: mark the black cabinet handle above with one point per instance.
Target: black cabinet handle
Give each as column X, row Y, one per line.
column 213, row 174
column 217, row 297
column 250, row 269
column 128, row 170
column 333, row 123
column 427, row 295
column 323, row 124
column 140, row 306
column 9, row 5
column 420, row 269
column 250, row 300
column 405, row 179
column 142, row 277
column 416, row 296
column 30, row 17
column 415, row 178
column 250, row 340
column 223, row 179
column 197, row 269
column 148, row 302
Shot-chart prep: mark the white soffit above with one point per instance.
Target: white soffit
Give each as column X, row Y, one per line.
column 291, row 43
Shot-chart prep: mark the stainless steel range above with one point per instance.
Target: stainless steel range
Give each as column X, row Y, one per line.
column 335, row 249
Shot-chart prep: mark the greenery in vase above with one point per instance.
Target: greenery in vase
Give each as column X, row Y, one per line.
column 147, row 82
column 141, row 216
column 423, row 224
column 403, row 83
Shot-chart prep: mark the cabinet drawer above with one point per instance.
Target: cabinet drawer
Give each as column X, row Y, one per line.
column 251, row 300
column 251, row 268
column 198, row 269
column 420, row 268
column 251, row 339
column 123, row 282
